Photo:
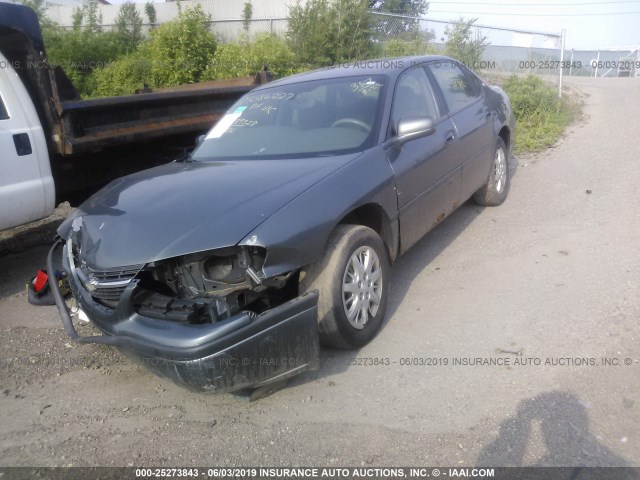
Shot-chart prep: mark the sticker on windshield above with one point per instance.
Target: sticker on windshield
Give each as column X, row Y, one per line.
column 224, row 124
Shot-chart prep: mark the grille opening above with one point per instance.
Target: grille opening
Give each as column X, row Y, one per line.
column 107, row 286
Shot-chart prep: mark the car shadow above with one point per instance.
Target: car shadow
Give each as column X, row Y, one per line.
column 562, row 420
column 403, row 273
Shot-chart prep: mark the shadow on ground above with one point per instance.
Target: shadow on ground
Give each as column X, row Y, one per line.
column 563, row 422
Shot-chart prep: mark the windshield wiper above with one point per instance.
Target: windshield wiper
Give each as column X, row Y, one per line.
column 185, row 156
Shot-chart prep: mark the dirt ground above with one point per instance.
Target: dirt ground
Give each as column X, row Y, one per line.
column 546, row 285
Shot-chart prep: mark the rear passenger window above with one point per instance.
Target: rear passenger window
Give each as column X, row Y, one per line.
column 3, row 110
column 457, row 88
column 475, row 81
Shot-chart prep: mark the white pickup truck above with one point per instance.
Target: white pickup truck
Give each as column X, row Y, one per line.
column 55, row 146
column 27, row 190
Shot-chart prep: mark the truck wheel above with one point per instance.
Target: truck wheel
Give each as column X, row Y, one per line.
column 495, row 191
column 352, row 278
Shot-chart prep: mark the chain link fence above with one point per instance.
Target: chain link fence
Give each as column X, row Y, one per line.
column 604, row 63
column 506, row 50
column 230, row 30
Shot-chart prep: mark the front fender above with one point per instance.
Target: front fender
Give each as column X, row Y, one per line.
column 296, row 235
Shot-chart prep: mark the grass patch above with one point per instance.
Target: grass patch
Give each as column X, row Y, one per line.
column 542, row 116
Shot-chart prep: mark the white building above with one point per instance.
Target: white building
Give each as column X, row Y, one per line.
column 220, row 10
column 61, row 3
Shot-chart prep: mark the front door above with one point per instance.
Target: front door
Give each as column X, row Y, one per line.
column 427, row 175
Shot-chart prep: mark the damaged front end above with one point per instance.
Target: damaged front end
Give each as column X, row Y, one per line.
column 212, row 286
column 209, row 321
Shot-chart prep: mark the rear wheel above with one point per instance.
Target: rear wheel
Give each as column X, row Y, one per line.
column 352, row 278
column 495, row 191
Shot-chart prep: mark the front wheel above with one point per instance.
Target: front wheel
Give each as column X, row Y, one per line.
column 495, row 190
column 352, row 278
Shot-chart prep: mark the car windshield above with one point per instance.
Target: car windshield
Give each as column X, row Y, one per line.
column 306, row 119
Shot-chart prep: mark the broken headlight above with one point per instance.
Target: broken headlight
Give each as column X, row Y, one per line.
column 203, row 287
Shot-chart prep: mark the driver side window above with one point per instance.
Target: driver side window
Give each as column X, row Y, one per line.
column 413, row 98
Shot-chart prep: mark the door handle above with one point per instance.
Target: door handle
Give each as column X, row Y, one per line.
column 22, row 143
column 451, row 136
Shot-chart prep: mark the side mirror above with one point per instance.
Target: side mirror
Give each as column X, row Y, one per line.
column 200, row 139
column 412, row 128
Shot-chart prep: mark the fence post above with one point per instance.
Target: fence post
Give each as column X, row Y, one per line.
column 562, row 39
column 571, row 63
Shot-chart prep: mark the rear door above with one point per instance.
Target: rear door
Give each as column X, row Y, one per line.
column 427, row 175
column 26, row 184
column 473, row 120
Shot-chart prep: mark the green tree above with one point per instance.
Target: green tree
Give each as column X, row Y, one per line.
column 398, row 27
column 80, row 52
column 410, row 8
column 88, row 17
column 77, row 18
column 463, row 43
column 93, row 17
column 354, row 34
column 310, row 32
column 239, row 59
column 324, row 33
column 123, row 76
column 247, row 15
column 85, row 48
column 150, row 11
column 401, row 48
column 181, row 49
column 177, row 52
column 129, row 25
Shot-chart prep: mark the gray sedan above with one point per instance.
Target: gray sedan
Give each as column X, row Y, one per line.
column 223, row 270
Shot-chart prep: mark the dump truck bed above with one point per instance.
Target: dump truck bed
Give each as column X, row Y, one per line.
column 93, row 141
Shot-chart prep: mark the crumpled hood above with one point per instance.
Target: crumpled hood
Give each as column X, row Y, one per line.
column 188, row 207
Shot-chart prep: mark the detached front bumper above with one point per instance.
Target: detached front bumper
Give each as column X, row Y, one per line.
column 239, row 352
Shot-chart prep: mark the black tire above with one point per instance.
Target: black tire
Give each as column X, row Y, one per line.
column 496, row 189
column 328, row 275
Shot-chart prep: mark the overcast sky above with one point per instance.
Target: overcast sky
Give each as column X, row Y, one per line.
column 590, row 24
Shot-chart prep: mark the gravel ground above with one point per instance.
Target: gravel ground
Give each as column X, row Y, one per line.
column 551, row 276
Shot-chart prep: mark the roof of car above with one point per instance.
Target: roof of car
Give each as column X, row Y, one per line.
column 378, row 66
